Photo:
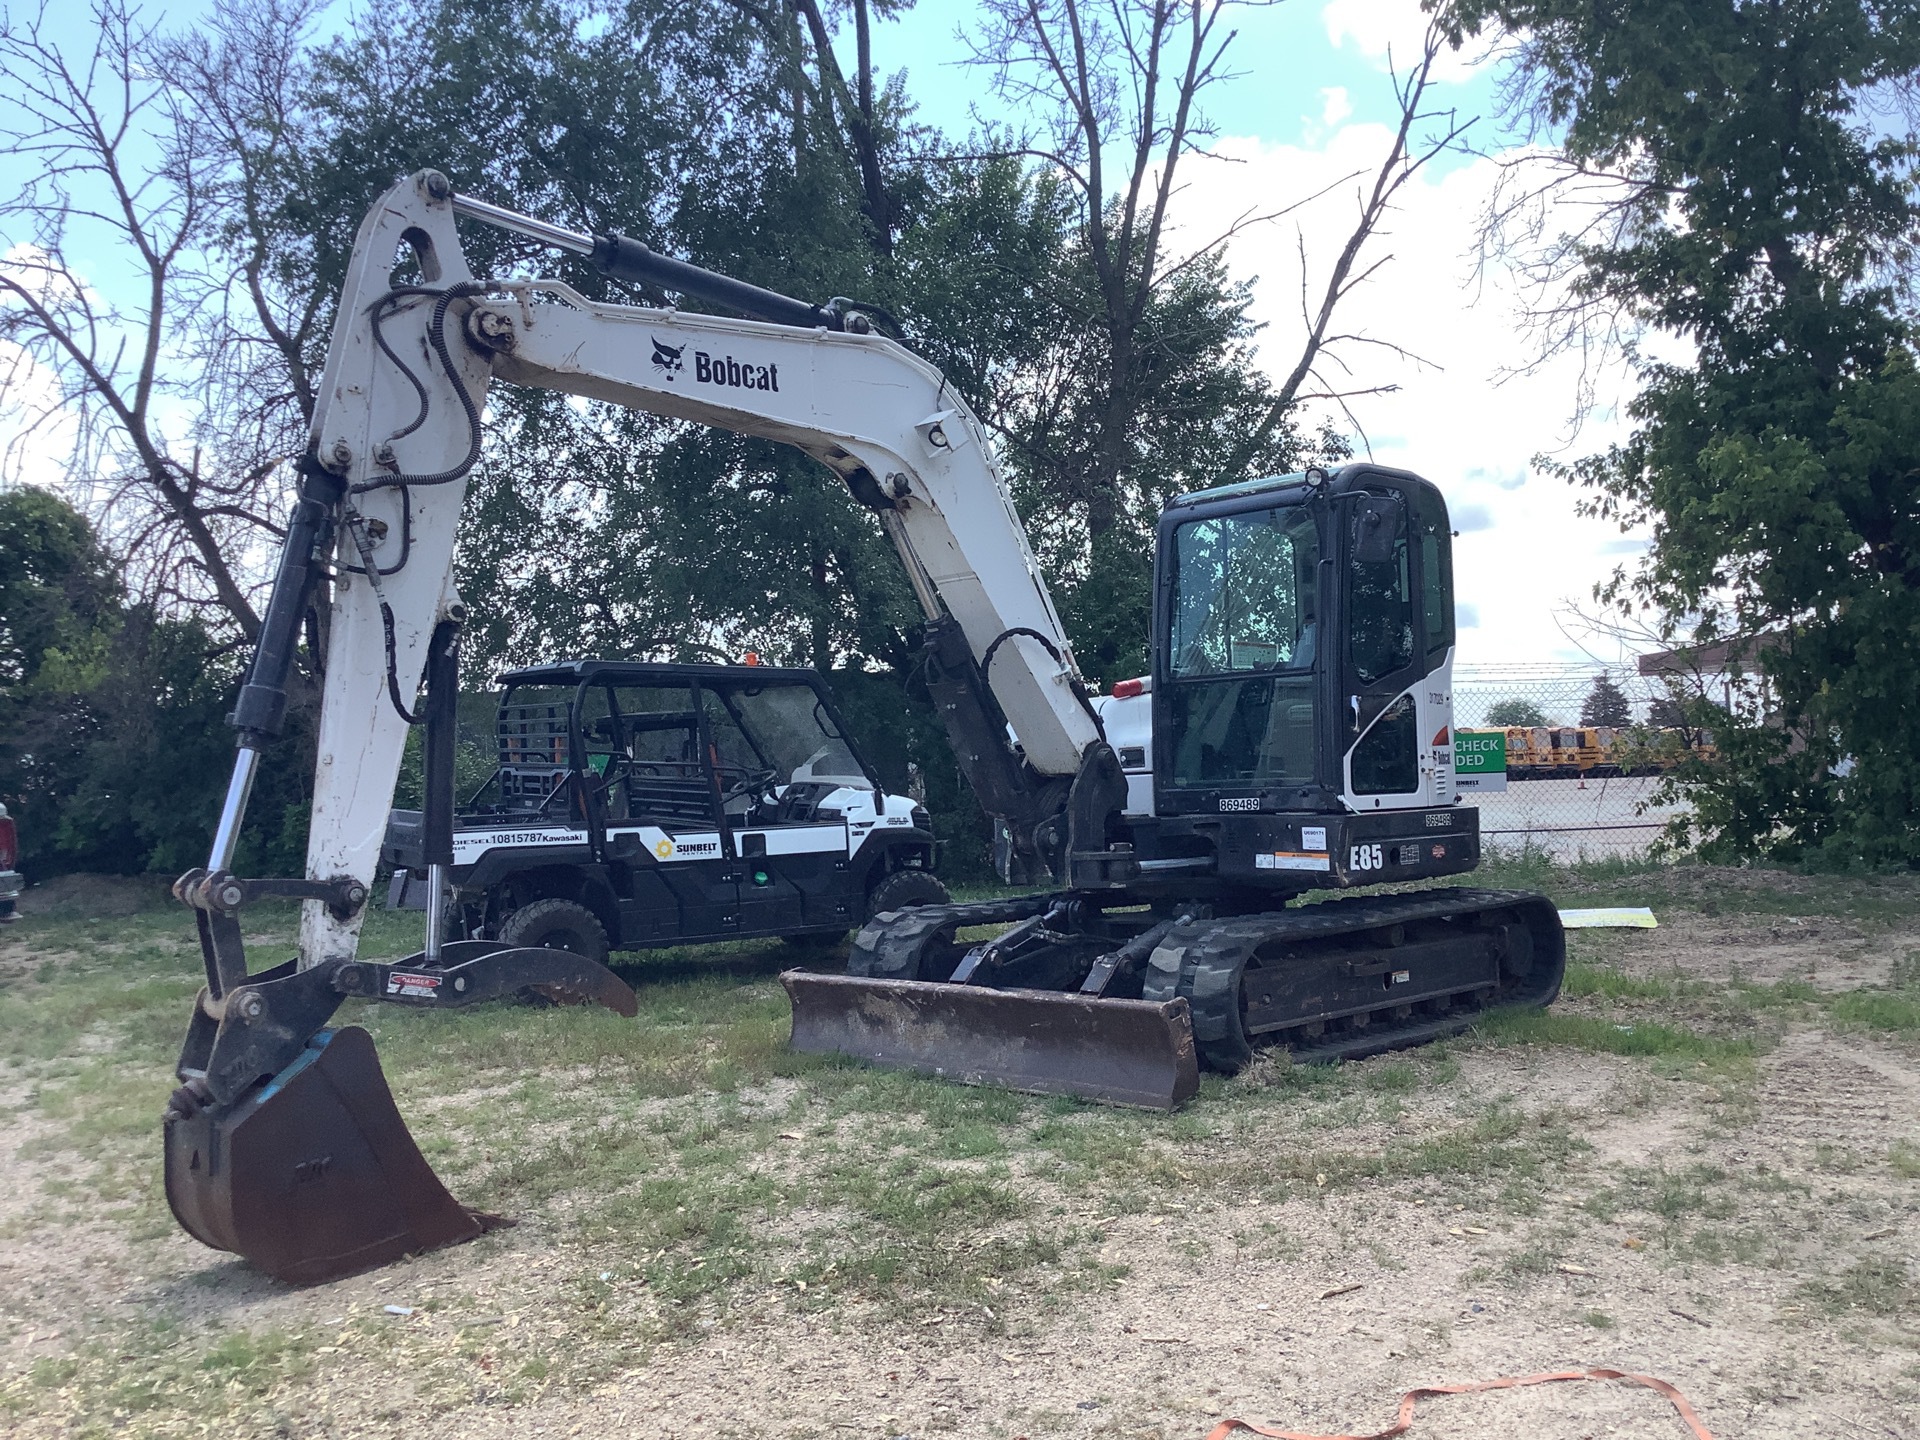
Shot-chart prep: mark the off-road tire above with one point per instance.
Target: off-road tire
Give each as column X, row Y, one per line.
column 905, row 888
column 558, row 925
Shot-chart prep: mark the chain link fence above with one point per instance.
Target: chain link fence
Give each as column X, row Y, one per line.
column 1584, row 750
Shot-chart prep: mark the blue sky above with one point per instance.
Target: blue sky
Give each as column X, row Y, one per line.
column 1283, row 54
column 1309, row 109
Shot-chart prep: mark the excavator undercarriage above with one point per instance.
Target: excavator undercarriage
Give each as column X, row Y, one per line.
column 1119, row 1004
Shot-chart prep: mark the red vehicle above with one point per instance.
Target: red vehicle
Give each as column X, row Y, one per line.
column 9, row 877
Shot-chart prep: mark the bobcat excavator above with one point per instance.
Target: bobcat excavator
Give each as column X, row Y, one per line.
column 1295, row 735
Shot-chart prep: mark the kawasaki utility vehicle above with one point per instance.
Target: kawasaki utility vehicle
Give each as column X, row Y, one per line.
column 638, row 805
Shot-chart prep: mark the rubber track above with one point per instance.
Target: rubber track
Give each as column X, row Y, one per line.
column 890, row 946
column 1202, row 962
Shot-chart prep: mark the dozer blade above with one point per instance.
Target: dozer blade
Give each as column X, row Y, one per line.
column 1047, row 1042
column 312, row 1175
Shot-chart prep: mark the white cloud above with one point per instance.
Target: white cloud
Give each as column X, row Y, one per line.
column 1500, row 479
column 1524, row 552
column 42, row 274
column 1392, row 32
column 36, row 436
column 1335, row 106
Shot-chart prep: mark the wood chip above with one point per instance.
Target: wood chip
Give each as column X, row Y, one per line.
column 1570, row 1269
column 1695, row 1319
column 1346, row 1289
column 788, row 1135
column 1163, row 1339
column 1476, row 1229
column 1881, row 1234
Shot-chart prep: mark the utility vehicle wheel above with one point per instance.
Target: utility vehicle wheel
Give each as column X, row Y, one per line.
column 557, row 925
column 904, row 888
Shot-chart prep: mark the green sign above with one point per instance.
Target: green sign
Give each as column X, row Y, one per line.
column 1480, row 759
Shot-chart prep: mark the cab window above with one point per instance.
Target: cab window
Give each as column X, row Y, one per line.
column 1380, row 614
column 1244, row 592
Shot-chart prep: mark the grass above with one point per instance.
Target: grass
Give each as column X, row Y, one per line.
column 1687, row 1193
column 1873, row 901
column 685, row 1175
column 1895, row 1011
column 1880, row 1287
column 1644, row 1039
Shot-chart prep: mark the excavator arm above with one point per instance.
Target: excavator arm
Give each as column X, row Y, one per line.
column 283, row 1143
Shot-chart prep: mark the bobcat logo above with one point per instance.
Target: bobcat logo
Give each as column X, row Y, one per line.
column 666, row 359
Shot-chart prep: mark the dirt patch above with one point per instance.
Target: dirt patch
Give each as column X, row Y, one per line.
column 1830, row 954
column 1844, row 1095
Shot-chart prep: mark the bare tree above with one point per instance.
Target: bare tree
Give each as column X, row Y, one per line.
column 1421, row 135
column 135, row 282
column 1124, row 80
column 857, row 102
column 1115, row 79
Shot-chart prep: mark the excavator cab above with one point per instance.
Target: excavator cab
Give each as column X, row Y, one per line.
column 1305, row 646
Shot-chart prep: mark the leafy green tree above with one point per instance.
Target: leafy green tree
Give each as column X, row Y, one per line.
column 1761, row 211
column 59, row 590
column 1664, row 712
column 1111, row 374
column 1516, row 711
column 111, row 738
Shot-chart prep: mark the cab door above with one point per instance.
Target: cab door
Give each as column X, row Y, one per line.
column 1396, row 700
column 1383, row 659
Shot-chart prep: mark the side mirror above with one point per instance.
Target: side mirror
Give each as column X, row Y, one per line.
column 1378, row 522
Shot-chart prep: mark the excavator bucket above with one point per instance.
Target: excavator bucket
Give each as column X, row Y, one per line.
column 1118, row 1052
column 313, row 1175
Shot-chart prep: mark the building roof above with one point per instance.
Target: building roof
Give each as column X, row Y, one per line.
column 1715, row 658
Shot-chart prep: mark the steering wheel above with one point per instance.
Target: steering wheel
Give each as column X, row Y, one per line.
column 751, row 782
